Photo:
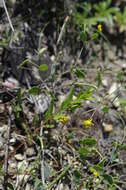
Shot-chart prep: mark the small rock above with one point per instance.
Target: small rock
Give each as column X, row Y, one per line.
column 19, row 157
column 12, row 168
column 1, row 142
column 11, row 148
column 61, row 99
column 42, row 103
column 116, row 102
column 28, row 187
column 2, row 108
column 113, row 90
column 30, row 152
column 13, row 140
column 107, row 127
column 20, row 177
column 3, row 129
column 21, row 166
column 105, row 82
column 62, row 187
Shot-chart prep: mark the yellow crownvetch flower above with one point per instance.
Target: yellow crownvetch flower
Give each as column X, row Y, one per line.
column 63, row 118
column 94, row 172
column 87, row 123
column 99, row 27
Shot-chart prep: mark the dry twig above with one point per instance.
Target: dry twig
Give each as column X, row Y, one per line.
column 7, row 149
column 5, row 8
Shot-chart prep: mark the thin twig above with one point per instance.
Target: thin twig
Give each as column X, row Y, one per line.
column 5, row 8
column 42, row 156
column 7, row 149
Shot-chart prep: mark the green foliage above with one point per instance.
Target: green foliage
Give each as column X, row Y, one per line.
column 17, row 106
column 83, row 152
column 10, row 186
column 105, row 109
column 34, row 91
column 90, row 16
column 108, row 178
column 104, row 11
column 121, row 19
column 49, row 113
column 67, row 102
column 121, row 75
column 88, row 141
column 43, row 67
column 4, row 41
column 76, row 176
column 38, row 184
column 79, row 72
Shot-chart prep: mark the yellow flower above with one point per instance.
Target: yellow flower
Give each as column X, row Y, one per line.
column 94, row 172
column 99, row 27
column 87, row 123
column 63, row 119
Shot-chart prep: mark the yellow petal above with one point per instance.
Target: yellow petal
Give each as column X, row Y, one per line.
column 87, row 123
column 99, row 28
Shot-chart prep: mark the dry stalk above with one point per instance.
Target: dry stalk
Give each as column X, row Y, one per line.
column 7, row 150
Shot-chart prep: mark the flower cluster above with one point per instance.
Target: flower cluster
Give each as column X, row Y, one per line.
column 63, row 119
column 99, row 27
column 87, row 123
column 94, row 172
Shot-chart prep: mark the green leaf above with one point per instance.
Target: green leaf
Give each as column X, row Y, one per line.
column 76, row 176
column 83, row 36
column 41, row 50
column 121, row 76
column 34, row 90
column 43, row 67
column 38, row 185
column 10, row 186
column 35, row 119
column 121, row 146
column 88, row 141
column 95, row 36
column 79, row 73
column 122, row 102
column 67, row 102
column 105, row 109
column 87, row 95
column 98, row 168
column 25, row 62
column 108, row 178
column 101, row 163
column 49, row 126
column 114, row 155
column 50, row 109
column 83, row 152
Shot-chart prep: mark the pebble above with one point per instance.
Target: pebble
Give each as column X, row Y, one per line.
column 62, row 187
column 105, row 82
column 2, row 108
column 107, row 127
column 28, row 187
column 12, row 167
column 113, row 89
column 19, row 157
column 30, row 152
column 1, row 142
column 3, row 129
